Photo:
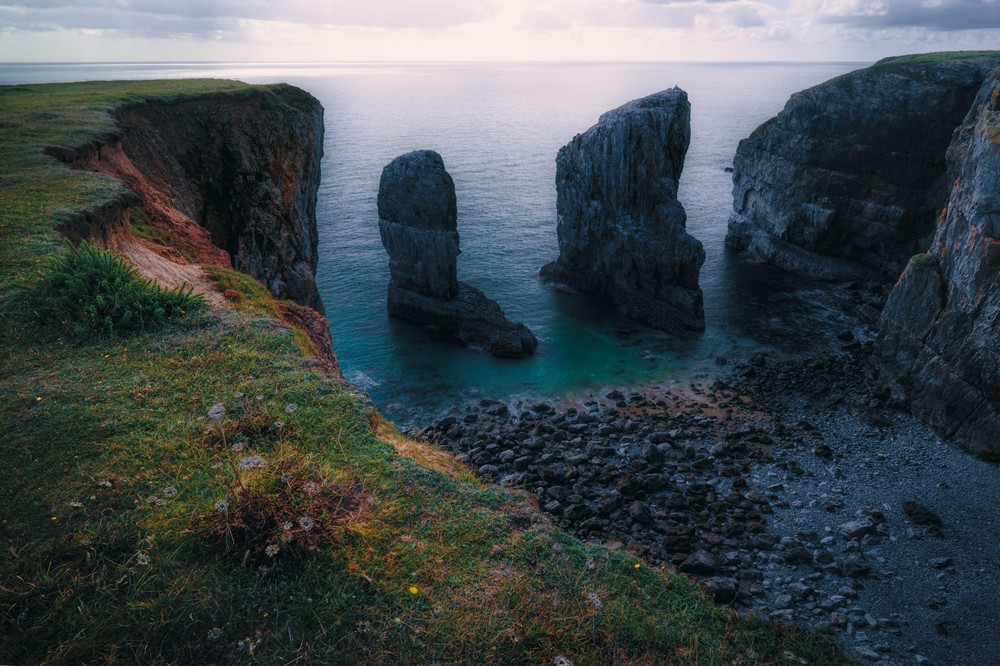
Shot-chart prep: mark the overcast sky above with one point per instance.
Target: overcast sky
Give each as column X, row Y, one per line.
column 377, row 30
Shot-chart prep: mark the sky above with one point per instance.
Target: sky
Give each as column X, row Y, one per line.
column 476, row 30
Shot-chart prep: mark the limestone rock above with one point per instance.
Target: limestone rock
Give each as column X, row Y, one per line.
column 418, row 221
column 621, row 228
column 846, row 182
column 939, row 334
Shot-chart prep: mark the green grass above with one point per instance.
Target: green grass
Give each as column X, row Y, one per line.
column 114, row 467
column 935, row 58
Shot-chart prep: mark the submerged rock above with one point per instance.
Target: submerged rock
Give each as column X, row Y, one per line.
column 418, row 221
column 846, row 182
column 939, row 334
column 621, row 229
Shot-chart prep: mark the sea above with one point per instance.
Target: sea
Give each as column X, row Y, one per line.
column 498, row 127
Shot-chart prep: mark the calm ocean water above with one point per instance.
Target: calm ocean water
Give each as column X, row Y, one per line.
column 498, row 127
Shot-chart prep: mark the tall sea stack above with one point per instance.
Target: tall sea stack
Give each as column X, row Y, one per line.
column 847, row 181
column 418, row 222
column 939, row 335
column 621, row 229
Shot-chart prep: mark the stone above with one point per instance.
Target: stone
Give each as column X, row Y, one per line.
column 938, row 337
column 923, row 517
column 621, row 228
column 701, row 563
column 829, row 189
column 855, row 566
column 418, row 220
column 722, row 589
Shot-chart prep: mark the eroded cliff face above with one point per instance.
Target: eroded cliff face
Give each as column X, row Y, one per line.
column 230, row 179
column 418, row 223
column 621, row 228
column 847, row 181
column 939, row 336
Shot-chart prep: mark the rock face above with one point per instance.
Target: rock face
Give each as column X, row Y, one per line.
column 846, row 182
column 418, row 221
column 228, row 178
column 621, row 229
column 246, row 167
column 939, row 335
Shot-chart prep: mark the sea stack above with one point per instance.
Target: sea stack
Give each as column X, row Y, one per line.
column 418, row 222
column 621, row 228
column 939, row 334
column 847, row 181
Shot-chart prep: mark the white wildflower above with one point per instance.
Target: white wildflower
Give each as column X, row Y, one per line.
column 217, row 411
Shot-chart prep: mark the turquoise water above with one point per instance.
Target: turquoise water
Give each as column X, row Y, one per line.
column 498, row 128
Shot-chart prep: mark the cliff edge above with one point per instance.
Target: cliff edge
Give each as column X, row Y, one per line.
column 939, row 334
column 847, row 181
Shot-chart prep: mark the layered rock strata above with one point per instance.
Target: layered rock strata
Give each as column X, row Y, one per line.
column 846, row 182
column 939, row 335
column 621, row 228
column 418, row 222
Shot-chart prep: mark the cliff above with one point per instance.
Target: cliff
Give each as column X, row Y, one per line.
column 201, row 494
column 846, row 182
column 939, row 334
column 418, row 223
column 230, row 178
column 621, row 228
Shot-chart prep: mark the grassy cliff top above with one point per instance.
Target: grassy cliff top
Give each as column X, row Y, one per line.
column 205, row 494
column 935, row 58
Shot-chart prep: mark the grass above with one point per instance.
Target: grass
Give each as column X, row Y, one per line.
column 910, row 66
column 118, row 453
column 935, row 58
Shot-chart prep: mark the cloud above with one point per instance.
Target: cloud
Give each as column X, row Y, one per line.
column 933, row 15
column 204, row 18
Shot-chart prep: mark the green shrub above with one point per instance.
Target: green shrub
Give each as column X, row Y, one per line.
column 87, row 291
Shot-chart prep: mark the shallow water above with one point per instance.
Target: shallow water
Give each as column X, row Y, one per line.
column 498, row 128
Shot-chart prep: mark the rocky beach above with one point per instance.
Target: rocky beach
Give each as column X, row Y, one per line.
column 789, row 487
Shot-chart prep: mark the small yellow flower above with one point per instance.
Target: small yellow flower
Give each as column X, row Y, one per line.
column 636, row 565
column 55, row 518
column 414, row 590
column 38, row 399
